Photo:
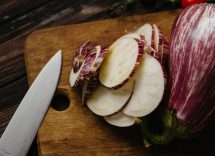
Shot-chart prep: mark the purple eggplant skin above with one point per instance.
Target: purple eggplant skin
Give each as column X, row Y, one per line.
column 80, row 55
column 190, row 101
column 192, row 67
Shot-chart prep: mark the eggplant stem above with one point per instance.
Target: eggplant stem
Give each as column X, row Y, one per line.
column 164, row 138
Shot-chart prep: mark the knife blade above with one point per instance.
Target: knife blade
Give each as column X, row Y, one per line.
column 22, row 128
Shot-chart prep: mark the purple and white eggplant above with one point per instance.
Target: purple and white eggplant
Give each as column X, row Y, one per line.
column 192, row 67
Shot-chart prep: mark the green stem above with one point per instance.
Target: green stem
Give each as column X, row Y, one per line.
column 171, row 128
column 163, row 138
column 179, row 130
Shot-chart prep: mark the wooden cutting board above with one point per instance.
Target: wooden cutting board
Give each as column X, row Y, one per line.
column 75, row 130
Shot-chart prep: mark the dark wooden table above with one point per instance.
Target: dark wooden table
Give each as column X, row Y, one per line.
column 20, row 18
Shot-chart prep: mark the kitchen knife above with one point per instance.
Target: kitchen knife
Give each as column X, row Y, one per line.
column 22, row 128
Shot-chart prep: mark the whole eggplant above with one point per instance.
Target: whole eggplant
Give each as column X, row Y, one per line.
column 191, row 98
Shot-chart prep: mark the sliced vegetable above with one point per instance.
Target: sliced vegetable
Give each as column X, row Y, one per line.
column 156, row 41
column 88, row 87
column 164, row 42
column 90, row 60
column 133, row 35
column 91, row 80
column 88, row 63
column 78, row 63
column 161, row 52
column 121, row 62
column 161, row 48
column 74, row 77
column 148, row 90
column 102, row 51
column 157, row 44
column 106, row 102
column 120, row 120
column 146, row 31
column 80, row 55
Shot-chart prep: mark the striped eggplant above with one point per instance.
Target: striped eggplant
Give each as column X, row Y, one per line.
column 191, row 101
column 192, row 67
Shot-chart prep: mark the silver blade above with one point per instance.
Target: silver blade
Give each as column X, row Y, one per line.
column 23, row 126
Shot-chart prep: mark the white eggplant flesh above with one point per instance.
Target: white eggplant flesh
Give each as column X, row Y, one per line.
column 162, row 46
column 157, row 42
column 121, row 62
column 146, row 31
column 148, row 90
column 74, row 76
column 139, row 37
column 120, row 120
column 106, row 102
column 96, row 50
column 133, row 35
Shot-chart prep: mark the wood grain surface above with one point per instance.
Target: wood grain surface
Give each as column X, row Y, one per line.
column 76, row 131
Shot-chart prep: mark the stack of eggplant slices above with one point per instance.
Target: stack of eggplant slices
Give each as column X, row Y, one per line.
column 123, row 81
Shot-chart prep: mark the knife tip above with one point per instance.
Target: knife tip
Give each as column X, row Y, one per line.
column 59, row 54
